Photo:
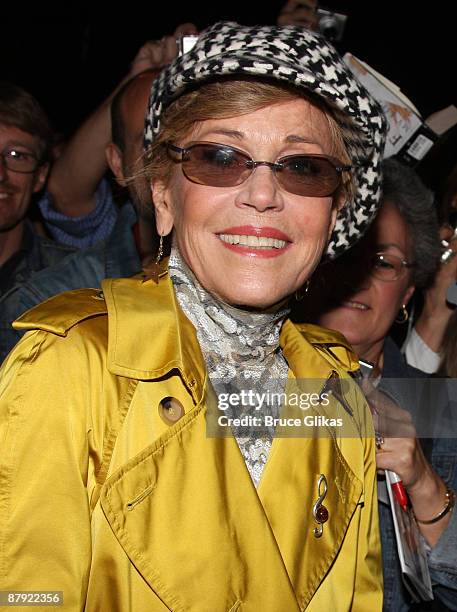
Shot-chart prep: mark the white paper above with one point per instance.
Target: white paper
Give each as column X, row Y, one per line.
column 411, row 550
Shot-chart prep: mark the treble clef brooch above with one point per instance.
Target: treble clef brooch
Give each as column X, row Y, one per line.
column 320, row 512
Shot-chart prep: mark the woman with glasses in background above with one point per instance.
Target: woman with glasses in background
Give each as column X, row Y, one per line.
column 362, row 295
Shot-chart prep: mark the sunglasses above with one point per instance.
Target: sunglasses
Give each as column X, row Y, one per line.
column 218, row 165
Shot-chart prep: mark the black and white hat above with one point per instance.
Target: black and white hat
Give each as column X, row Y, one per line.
column 306, row 60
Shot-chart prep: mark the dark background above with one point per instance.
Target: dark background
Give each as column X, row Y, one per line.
column 71, row 57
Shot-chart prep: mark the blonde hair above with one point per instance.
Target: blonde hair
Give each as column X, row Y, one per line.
column 231, row 98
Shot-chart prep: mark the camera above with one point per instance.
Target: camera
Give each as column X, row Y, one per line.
column 330, row 24
column 185, row 43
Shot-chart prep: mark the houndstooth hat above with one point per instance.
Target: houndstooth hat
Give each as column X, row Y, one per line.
column 306, row 60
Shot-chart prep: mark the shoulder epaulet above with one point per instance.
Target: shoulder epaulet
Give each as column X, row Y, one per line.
column 332, row 343
column 61, row 312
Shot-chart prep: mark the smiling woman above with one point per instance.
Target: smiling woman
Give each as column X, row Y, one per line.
column 263, row 156
column 361, row 295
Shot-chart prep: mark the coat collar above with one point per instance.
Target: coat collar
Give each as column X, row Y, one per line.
column 149, row 335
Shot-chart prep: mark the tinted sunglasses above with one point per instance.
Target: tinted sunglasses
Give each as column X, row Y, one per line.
column 218, row 165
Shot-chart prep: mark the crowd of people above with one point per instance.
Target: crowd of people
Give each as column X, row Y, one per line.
column 225, row 225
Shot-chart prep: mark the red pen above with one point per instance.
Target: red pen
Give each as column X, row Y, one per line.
column 398, row 489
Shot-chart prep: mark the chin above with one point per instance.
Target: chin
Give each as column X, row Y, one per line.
column 254, row 288
column 244, row 296
column 255, row 300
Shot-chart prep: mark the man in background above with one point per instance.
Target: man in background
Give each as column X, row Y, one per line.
column 132, row 240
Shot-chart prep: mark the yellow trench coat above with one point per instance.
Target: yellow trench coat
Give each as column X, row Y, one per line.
column 102, row 499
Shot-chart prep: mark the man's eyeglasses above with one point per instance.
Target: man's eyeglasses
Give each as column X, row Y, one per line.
column 218, row 165
column 18, row 160
column 388, row 267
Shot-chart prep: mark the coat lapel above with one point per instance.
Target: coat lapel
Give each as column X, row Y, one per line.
column 288, row 492
column 289, row 486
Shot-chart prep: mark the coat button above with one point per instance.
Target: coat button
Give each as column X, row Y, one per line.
column 170, row 410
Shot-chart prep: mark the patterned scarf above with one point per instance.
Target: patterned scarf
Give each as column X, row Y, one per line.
column 241, row 352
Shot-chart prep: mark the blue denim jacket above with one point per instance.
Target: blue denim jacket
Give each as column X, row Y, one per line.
column 34, row 254
column 115, row 257
column 442, row 454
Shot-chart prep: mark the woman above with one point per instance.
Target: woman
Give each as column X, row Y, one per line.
column 125, row 502
column 361, row 296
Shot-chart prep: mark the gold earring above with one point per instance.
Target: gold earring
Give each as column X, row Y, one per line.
column 403, row 315
column 302, row 291
column 152, row 270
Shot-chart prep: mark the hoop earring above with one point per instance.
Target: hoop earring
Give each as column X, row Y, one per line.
column 302, row 291
column 403, row 315
column 153, row 270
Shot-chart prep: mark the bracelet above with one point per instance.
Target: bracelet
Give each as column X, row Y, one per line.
column 448, row 507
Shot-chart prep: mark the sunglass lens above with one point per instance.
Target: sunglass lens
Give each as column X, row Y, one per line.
column 309, row 176
column 216, row 166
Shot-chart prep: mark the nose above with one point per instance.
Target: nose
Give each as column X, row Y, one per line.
column 261, row 191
